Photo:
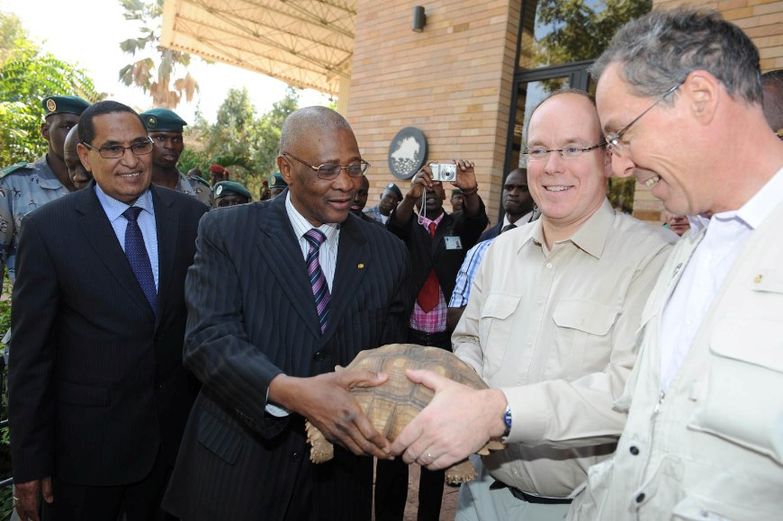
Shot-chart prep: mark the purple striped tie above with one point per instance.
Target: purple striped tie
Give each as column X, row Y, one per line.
column 317, row 280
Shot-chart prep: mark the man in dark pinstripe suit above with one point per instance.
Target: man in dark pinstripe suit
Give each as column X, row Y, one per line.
column 265, row 355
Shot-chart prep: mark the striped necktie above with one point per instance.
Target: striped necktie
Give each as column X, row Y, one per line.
column 317, row 279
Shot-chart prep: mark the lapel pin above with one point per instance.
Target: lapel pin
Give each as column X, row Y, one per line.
column 757, row 279
column 360, row 265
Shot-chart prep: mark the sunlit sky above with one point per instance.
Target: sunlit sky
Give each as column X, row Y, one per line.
column 87, row 33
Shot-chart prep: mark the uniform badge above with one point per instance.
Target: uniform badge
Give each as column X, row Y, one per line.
column 51, row 106
column 219, row 190
column 152, row 122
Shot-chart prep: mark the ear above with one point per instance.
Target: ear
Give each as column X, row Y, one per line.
column 702, row 92
column 45, row 130
column 83, row 152
column 285, row 168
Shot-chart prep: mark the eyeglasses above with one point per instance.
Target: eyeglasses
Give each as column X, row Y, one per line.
column 139, row 148
column 614, row 141
column 329, row 171
column 567, row 152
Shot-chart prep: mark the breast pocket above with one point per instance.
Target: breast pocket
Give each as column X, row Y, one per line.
column 743, row 402
column 495, row 328
column 583, row 340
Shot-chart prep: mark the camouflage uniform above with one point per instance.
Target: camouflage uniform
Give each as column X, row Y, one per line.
column 23, row 188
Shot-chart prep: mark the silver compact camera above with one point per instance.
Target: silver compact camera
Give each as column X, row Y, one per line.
column 444, row 172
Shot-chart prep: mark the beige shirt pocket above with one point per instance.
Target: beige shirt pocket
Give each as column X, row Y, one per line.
column 581, row 344
column 743, row 402
column 495, row 330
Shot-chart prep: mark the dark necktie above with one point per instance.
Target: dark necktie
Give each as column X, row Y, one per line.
column 429, row 294
column 138, row 258
column 317, row 279
column 508, row 227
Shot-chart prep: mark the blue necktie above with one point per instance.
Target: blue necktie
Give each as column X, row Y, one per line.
column 317, row 279
column 138, row 258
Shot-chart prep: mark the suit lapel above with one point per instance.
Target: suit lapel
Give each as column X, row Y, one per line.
column 280, row 249
column 353, row 260
column 167, row 227
column 100, row 235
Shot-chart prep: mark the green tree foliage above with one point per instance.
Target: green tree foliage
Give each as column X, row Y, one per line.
column 238, row 140
column 26, row 75
column 158, row 80
column 581, row 29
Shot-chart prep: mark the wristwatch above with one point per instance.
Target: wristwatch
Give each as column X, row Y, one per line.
column 507, row 421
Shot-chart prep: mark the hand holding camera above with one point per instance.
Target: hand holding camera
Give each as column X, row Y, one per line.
column 459, row 173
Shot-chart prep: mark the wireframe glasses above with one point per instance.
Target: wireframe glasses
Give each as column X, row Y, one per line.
column 329, row 171
column 138, row 148
column 614, row 140
column 539, row 153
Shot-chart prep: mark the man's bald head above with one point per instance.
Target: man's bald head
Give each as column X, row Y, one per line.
column 307, row 122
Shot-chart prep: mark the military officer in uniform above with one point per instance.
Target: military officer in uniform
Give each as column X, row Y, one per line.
column 165, row 129
column 230, row 193
column 278, row 185
column 26, row 186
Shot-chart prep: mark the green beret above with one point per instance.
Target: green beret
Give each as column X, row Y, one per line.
column 278, row 181
column 230, row 187
column 63, row 105
column 163, row 120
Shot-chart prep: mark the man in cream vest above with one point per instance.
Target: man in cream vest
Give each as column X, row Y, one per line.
column 680, row 102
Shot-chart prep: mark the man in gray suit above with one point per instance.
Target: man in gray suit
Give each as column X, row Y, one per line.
column 280, row 292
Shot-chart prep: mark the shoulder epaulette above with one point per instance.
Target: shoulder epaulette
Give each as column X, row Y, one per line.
column 13, row 168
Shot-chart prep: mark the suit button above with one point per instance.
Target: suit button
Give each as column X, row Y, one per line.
column 634, row 450
column 320, row 355
column 158, row 387
column 640, row 497
column 294, row 454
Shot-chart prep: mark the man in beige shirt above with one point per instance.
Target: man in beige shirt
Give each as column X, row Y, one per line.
column 550, row 326
column 680, row 101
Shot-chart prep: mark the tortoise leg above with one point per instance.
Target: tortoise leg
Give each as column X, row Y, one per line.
column 460, row 473
column 321, row 449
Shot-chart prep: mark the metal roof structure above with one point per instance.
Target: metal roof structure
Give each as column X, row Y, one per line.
column 305, row 43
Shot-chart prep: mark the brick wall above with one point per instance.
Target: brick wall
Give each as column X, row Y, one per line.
column 453, row 81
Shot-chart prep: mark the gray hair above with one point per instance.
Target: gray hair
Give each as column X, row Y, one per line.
column 299, row 125
column 772, row 83
column 659, row 50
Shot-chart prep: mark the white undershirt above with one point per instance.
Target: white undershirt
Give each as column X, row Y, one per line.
column 706, row 272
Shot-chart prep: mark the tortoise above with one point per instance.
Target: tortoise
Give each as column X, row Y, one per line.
column 393, row 404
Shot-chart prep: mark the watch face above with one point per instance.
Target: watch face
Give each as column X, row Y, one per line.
column 407, row 152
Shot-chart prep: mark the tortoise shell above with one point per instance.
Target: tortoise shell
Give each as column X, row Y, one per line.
column 393, row 404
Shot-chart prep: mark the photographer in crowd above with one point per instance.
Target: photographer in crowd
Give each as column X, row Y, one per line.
column 437, row 243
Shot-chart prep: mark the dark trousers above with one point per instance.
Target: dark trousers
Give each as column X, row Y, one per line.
column 133, row 502
column 391, row 477
column 391, row 491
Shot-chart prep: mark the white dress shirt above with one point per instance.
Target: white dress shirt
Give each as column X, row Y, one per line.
column 725, row 237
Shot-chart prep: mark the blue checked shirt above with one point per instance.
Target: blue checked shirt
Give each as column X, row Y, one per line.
column 459, row 298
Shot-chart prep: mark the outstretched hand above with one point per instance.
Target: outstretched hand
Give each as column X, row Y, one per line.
column 325, row 400
column 456, row 423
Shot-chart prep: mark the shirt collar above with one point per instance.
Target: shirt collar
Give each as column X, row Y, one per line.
column 753, row 212
column 114, row 208
column 301, row 225
column 425, row 222
column 591, row 236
